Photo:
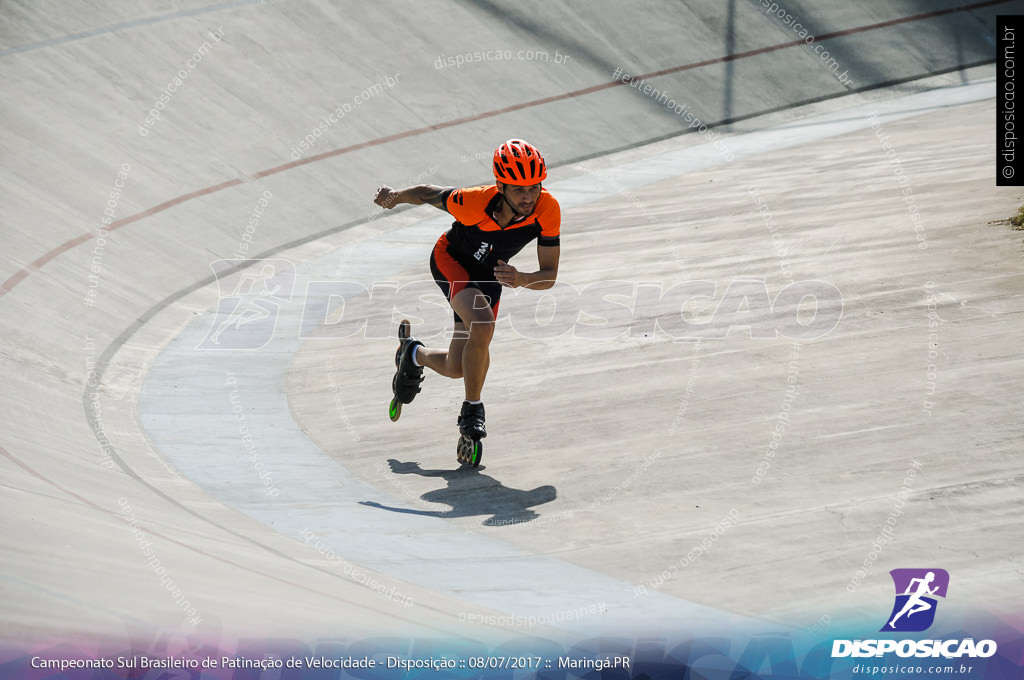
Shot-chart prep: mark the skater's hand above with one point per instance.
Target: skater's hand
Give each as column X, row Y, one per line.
column 507, row 275
column 386, row 197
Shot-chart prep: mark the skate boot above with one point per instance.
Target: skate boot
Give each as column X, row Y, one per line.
column 472, row 429
column 408, row 376
column 471, row 421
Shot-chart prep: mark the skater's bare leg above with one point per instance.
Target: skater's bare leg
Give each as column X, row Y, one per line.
column 447, row 362
column 467, row 357
column 472, row 306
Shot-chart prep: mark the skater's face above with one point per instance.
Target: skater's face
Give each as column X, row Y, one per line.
column 523, row 199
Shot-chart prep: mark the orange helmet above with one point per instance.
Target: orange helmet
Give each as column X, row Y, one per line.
column 519, row 162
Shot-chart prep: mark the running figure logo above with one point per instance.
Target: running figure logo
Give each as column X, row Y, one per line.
column 251, row 295
column 914, row 609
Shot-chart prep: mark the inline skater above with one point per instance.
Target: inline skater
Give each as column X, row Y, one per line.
column 470, row 263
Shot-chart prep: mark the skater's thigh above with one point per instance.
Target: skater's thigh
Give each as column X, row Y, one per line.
column 459, row 339
column 473, row 306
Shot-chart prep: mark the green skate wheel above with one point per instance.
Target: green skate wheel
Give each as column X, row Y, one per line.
column 469, row 451
column 395, row 411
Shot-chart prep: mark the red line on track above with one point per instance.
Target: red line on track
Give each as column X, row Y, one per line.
column 20, row 275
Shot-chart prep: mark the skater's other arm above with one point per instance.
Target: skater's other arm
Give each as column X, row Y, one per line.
column 547, row 258
column 430, row 194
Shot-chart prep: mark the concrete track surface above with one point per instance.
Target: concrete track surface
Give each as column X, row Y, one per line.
column 730, row 469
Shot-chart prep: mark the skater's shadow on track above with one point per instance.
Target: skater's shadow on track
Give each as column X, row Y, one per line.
column 470, row 494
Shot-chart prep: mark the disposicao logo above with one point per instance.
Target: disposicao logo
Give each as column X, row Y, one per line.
column 914, row 611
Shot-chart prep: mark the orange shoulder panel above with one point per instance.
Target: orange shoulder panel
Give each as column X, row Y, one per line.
column 469, row 205
column 549, row 214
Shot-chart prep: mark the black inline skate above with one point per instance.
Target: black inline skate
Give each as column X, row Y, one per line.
column 472, row 429
column 408, row 376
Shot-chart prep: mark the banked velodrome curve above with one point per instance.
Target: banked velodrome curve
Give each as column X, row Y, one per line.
column 211, row 531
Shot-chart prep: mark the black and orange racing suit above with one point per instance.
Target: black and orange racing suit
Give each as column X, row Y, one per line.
column 466, row 255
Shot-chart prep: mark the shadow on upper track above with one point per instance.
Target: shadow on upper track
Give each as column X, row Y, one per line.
column 471, row 493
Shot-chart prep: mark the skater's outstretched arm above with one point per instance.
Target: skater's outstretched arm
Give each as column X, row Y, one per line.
column 430, row 194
